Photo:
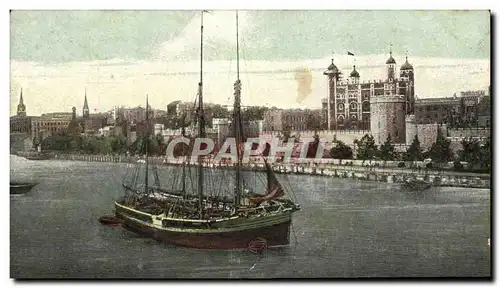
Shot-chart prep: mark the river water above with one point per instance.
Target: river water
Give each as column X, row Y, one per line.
column 346, row 228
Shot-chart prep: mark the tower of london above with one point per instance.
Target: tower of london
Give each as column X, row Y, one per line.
column 380, row 106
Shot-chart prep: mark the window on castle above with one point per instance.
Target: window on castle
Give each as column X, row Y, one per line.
column 341, row 120
column 366, row 106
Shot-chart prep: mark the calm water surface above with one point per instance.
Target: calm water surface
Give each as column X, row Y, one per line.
column 346, row 228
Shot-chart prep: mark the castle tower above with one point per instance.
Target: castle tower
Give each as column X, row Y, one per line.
column 21, row 108
column 391, row 67
column 333, row 75
column 386, row 118
column 85, row 109
column 406, row 74
column 354, row 76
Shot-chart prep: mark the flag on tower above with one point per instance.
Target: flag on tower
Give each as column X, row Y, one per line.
column 349, row 53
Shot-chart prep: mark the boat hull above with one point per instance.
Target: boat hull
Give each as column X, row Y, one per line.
column 21, row 188
column 275, row 233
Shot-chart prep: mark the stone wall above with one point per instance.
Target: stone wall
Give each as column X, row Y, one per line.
column 427, row 134
column 346, row 136
column 470, row 132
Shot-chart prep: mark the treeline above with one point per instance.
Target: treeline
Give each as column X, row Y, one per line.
column 475, row 153
column 211, row 111
column 67, row 143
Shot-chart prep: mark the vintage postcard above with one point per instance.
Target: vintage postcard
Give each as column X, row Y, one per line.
column 222, row 144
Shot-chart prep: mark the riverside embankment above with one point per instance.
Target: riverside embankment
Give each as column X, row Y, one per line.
column 382, row 174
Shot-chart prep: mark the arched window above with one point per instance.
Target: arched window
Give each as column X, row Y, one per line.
column 366, row 106
column 340, row 107
column 353, row 106
column 354, row 118
column 340, row 120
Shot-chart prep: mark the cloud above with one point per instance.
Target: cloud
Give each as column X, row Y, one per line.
column 219, row 31
column 284, row 84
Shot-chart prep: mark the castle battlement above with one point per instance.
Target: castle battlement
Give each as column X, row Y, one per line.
column 410, row 118
column 375, row 99
column 369, row 82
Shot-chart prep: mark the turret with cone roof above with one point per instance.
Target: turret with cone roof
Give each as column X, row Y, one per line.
column 390, row 60
column 391, row 67
column 406, row 65
column 21, row 108
column 333, row 70
column 354, row 73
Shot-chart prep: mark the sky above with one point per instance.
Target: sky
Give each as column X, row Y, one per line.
column 120, row 56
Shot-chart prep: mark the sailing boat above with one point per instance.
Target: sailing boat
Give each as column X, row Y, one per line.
column 199, row 220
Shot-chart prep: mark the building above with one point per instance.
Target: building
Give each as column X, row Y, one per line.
column 435, row 110
column 348, row 103
column 222, row 126
column 469, row 106
column 137, row 114
column 50, row 124
column 291, row 119
column 178, row 108
column 20, row 123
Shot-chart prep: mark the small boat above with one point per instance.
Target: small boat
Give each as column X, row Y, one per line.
column 18, row 188
column 110, row 220
column 416, row 184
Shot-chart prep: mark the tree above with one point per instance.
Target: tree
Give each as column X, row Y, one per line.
column 254, row 113
column 118, row 144
column 340, row 150
column 387, row 152
column 440, row 151
column 60, row 141
column 367, row 150
column 485, row 154
column 414, row 152
column 160, row 144
column 313, row 122
column 286, row 134
column 471, row 152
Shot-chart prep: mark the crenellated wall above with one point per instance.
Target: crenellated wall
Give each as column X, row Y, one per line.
column 427, row 134
column 470, row 132
column 347, row 137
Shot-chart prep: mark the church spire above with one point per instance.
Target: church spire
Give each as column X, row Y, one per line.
column 21, row 101
column 85, row 105
column 21, row 108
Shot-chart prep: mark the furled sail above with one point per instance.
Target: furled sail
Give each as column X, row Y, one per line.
column 274, row 188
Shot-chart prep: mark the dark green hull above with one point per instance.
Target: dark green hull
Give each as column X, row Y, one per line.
column 234, row 233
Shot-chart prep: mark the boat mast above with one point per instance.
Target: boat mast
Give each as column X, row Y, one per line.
column 201, row 126
column 146, row 143
column 183, row 129
column 236, row 121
